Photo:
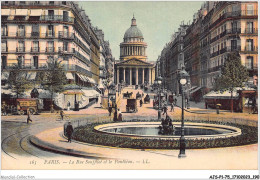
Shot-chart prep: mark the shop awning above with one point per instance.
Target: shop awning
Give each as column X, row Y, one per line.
column 36, row 12
column 5, row 12
column 92, row 81
column 219, row 95
column 21, row 12
column 5, row 75
column 195, row 90
column 90, row 93
column 73, row 91
column 69, row 76
column 80, row 76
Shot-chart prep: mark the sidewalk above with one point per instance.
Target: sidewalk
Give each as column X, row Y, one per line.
column 240, row 157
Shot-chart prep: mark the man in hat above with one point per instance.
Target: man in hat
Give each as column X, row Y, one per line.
column 69, row 131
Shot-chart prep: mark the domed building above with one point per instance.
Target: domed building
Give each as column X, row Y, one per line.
column 133, row 68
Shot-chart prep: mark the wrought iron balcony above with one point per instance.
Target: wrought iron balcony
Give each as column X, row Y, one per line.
column 62, row 50
column 251, row 30
column 250, row 49
column 64, row 35
column 35, row 49
column 4, row 49
column 50, row 49
column 57, row 18
column 20, row 49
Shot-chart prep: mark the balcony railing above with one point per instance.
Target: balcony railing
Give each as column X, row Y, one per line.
column 20, row 49
column 251, row 48
column 251, row 30
column 62, row 34
column 71, row 67
column 35, row 34
column 214, row 69
column 20, row 34
column 82, row 57
column 4, row 49
column 50, row 49
column 66, row 50
column 57, row 18
column 234, row 14
column 3, row 34
column 233, row 31
column 35, row 49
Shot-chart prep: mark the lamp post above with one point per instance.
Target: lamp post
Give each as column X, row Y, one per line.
column 183, row 76
column 159, row 82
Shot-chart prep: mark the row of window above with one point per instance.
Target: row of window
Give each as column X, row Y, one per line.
column 33, row 2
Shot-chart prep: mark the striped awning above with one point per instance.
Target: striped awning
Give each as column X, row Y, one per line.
column 69, row 76
column 92, row 81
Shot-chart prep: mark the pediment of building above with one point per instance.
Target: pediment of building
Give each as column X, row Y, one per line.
column 134, row 62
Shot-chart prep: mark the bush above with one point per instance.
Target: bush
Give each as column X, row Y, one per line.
column 90, row 135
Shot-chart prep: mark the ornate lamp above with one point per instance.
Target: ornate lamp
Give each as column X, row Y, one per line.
column 183, row 77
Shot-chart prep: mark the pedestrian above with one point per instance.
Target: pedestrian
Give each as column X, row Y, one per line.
column 120, row 118
column 110, row 110
column 61, row 114
column 141, row 102
column 172, row 107
column 28, row 116
column 175, row 101
column 142, row 94
column 68, row 106
column 115, row 114
column 69, row 131
column 164, row 109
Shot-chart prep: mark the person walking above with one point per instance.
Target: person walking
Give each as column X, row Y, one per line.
column 172, row 107
column 164, row 109
column 68, row 106
column 120, row 118
column 141, row 102
column 69, row 131
column 28, row 116
column 110, row 110
column 61, row 114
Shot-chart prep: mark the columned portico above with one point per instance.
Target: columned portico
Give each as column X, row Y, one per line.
column 136, row 80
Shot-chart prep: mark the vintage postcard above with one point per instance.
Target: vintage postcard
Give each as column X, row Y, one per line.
column 129, row 85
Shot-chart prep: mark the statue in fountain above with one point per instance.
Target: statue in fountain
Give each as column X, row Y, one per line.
column 166, row 127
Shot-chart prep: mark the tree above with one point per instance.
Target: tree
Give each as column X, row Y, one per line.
column 233, row 75
column 19, row 81
column 54, row 78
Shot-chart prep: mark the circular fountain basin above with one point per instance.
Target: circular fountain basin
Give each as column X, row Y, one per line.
column 151, row 130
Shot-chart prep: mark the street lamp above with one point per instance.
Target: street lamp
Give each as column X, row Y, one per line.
column 183, row 76
column 159, row 82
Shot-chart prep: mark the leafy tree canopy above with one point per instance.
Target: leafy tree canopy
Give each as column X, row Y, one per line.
column 233, row 75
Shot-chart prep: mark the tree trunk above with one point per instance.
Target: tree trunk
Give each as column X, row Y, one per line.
column 52, row 109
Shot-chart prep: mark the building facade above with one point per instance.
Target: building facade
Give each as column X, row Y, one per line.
column 217, row 29
column 35, row 32
column 133, row 68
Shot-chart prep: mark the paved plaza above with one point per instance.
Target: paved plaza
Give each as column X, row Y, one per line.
column 47, row 142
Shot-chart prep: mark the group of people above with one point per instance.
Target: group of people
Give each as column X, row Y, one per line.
column 117, row 113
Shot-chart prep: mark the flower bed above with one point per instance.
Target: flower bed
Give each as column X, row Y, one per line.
column 89, row 135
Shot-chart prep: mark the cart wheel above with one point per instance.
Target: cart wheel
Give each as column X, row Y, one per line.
column 32, row 110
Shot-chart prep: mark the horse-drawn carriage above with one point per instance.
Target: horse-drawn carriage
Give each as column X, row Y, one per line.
column 127, row 95
column 147, row 99
column 131, row 105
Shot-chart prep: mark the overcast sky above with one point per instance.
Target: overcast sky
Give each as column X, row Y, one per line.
column 156, row 20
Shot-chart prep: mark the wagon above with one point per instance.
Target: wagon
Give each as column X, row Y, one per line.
column 23, row 105
column 131, row 105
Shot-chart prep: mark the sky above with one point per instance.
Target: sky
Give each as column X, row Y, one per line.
column 157, row 20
